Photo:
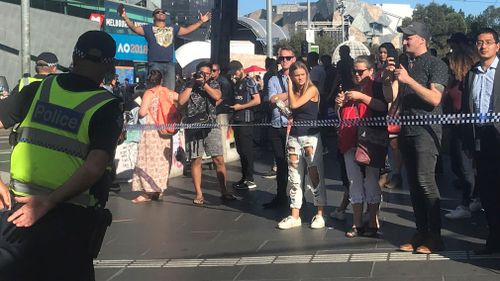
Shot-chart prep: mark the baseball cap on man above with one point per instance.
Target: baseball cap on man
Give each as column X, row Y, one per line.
column 416, row 28
column 46, row 59
column 96, row 46
column 158, row 10
column 234, row 66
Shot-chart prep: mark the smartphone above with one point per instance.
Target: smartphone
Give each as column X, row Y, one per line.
column 393, row 53
column 120, row 9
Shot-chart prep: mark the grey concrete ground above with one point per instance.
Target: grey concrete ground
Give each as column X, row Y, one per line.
column 174, row 240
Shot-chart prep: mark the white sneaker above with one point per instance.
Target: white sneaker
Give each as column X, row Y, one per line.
column 460, row 212
column 338, row 215
column 475, row 205
column 317, row 222
column 289, row 222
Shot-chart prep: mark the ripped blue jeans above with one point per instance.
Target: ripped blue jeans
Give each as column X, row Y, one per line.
column 306, row 152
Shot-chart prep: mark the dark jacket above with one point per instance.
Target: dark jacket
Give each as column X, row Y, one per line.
column 468, row 132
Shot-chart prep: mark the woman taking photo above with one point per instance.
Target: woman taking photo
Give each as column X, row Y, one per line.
column 365, row 100
column 155, row 151
column 304, row 147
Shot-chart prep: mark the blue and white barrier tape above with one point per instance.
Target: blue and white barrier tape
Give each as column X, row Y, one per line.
column 405, row 120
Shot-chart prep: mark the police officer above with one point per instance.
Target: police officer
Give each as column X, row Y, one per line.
column 246, row 97
column 51, row 226
column 45, row 64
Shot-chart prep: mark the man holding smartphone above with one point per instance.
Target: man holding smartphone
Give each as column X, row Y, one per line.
column 161, row 39
column 422, row 86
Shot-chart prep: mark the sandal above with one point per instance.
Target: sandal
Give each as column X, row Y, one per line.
column 227, row 197
column 354, row 232
column 198, row 201
column 143, row 198
column 157, row 196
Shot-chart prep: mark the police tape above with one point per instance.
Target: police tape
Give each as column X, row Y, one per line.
column 403, row 120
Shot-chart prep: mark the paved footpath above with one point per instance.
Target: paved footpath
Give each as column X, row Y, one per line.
column 175, row 241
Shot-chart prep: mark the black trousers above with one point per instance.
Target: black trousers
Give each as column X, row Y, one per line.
column 54, row 248
column 277, row 137
column 243, row 137
column 461, row 166
column 488, row 176
column 420, row 155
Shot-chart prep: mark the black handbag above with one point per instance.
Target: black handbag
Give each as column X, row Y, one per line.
column 372, row 146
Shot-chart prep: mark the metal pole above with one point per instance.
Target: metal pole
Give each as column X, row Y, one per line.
column 308, row 22
column 269, row 27
column 25, row 36
column 343, row 27
column 308, row 14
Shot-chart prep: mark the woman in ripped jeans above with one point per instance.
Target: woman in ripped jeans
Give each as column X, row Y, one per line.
column 304, row 147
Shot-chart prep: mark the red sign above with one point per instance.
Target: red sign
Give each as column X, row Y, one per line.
column 97, row 18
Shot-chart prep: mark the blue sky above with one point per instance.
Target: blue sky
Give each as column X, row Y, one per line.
column 474, row 7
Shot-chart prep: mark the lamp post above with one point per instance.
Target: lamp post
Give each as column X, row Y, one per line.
column 25, row 36
column 269, row 26
column 308, row 14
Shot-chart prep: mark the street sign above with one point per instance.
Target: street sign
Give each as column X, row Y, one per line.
column 314, row 48
column 310, row 36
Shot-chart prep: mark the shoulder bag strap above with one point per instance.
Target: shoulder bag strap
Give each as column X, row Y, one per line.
column 280, row 80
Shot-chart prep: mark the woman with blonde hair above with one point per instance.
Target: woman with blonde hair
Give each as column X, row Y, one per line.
column 155, row 151
column 305, row 150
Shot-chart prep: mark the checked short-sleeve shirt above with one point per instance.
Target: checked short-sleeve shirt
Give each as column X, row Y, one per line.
column 426, row 70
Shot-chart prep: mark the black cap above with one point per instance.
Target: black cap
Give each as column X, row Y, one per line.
column 416, row 28
column 458, row 38
column 96, row 46
column 157, row 10
column 234, row 66
column 46, row 59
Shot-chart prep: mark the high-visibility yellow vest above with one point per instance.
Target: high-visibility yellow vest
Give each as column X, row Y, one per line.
column 53, row 140
column 25, row 81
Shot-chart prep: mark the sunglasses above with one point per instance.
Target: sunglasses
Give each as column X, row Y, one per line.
column 359, row 71
column 159, row 12
column 215, row 70
column 288, row 58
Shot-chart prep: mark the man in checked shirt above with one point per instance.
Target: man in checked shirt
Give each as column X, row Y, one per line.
column 422, row 86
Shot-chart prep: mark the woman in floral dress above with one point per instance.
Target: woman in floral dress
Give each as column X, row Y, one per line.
column 155, row 151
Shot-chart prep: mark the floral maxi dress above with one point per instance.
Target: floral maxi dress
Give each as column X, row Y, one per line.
column 153, row 157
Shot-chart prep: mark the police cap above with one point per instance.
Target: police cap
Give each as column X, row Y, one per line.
column 96, row 46
column 46, row 59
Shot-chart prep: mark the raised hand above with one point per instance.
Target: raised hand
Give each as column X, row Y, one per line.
column 205, row 17
column 402, row 75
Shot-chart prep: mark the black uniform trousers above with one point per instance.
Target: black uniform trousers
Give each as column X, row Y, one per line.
column 56, row 247
column 243, row 137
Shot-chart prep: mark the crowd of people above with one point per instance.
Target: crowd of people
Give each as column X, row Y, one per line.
column 412, row 83
column 292, row 95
